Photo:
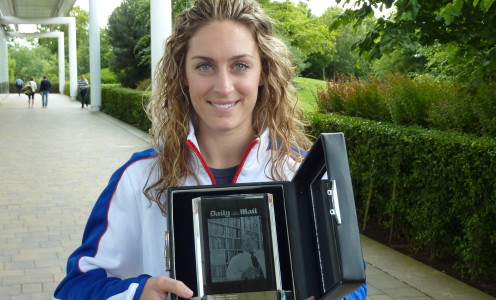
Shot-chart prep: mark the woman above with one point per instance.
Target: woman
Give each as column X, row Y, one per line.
column 32, row 90
column 222, row 112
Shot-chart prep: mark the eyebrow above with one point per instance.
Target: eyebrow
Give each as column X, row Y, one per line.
column 236, row 57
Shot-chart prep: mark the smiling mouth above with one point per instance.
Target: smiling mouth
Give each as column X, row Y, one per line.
column 223, row 106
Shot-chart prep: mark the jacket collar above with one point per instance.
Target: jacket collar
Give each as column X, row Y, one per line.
column 251, row 168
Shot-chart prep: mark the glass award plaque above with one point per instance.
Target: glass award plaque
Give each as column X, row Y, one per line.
column 236, row 247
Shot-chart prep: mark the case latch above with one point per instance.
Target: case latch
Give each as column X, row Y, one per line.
column 167, row 252
column 332, row 192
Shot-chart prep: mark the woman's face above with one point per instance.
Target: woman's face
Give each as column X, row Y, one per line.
column 223, row 73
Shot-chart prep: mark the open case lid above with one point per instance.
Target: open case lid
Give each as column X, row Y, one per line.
column 328, row 263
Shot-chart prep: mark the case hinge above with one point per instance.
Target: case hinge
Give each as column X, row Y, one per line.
column 332, row 192
column 167, row 252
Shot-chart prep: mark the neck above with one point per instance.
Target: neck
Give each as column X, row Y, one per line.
column 224, row 150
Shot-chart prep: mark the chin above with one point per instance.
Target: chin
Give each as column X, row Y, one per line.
column 224, row 126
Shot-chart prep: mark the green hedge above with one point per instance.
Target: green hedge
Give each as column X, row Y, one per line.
column 4, row 87
column 126, row 105
column 436, row 190
column 122, row 103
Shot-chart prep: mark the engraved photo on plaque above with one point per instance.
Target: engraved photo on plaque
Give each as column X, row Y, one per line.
column 236, row 246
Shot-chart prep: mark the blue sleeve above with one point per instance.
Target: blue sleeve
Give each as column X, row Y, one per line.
column 97, row 283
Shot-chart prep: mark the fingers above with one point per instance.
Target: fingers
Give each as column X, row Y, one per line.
column 159, row 287
column 177, row 287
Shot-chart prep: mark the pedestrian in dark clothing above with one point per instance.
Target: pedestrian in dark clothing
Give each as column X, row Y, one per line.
column 19, row 84
column 83, row 90
column 44, row 90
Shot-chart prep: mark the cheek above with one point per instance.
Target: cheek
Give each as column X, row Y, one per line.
column 197, row 89
column 250, row 88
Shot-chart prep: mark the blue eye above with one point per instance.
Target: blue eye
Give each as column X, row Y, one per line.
column 204, row 67
column 241, row 66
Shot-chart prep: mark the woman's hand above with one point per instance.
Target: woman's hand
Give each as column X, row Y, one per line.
column 157, row 288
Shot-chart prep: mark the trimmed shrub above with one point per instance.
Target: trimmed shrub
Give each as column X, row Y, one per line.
column 126, row 105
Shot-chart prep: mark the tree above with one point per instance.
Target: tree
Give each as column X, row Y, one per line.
column 301, row 29
column 12, row 74
column 104, row 48
column 33, row 62
column 466, row 26
column 127, row 24
column 306, row 35
column 344, row 60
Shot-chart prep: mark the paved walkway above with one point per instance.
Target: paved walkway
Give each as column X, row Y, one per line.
column 54, row 163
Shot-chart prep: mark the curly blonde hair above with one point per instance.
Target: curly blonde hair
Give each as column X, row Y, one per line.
column 171, row 110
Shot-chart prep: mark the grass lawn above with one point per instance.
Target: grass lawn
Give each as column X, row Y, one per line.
column 306, row 86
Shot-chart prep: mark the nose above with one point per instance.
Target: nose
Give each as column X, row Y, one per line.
column 224, row 84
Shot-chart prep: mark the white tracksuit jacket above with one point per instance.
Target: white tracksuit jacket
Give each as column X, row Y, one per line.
column 123, row 241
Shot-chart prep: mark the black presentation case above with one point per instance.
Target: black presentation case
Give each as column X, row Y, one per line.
column 317, row 230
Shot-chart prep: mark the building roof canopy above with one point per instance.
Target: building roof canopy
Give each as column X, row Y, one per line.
column 35, row 8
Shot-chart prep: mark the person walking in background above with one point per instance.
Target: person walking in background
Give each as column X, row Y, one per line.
column 31, row 88
column 83, row 90
column 44, row 90
column 19, row 84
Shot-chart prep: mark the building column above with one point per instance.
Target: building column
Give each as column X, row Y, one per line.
column 61, row 56
column 72, row 58
column 4, row 63
column 161, row 29
column 95, row 66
